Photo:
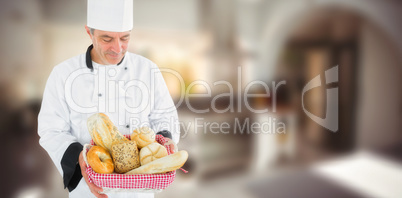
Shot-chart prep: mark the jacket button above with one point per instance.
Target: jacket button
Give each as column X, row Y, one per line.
column 100, row 95
column 125, row 68
column 127, row 126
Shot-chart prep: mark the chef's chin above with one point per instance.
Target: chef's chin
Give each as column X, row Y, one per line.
column 114, row 60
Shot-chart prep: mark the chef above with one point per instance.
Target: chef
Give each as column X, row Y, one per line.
column 127, row 87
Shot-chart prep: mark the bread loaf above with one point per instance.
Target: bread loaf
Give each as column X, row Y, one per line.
column 152, row 152
column 162, row 165
column 143, row 136
column 103, row 132
column 125, row 156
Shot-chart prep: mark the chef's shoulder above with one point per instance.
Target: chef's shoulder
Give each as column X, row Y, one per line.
column 141, row 62
column 71, row 65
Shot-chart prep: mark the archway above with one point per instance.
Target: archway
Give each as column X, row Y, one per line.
column 374, row 67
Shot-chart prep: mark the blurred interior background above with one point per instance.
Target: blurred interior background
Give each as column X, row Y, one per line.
column 265, row 40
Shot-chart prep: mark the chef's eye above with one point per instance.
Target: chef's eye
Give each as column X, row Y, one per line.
column 107, row 40
column 124, row 39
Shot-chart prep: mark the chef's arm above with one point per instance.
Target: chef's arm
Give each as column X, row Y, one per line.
column 71, row 167
column 55, row 132
column 163, row 116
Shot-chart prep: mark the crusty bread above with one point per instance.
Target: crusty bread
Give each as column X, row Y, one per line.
column 103, row 132
column 100, row 160
column 125, row 156
column 152, row 152
column 143, row 136
column 162, row 165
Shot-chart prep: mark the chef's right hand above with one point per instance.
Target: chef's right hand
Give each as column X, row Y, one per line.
column 94, row 189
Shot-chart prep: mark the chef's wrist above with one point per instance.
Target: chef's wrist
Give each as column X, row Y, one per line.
column 165, row 133
column 71, row 167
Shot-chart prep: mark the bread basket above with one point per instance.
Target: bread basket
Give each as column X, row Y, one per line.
column 135, row 183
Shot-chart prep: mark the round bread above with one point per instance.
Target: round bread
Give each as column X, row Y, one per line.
column 125, row 156
column 100, row 160
column 152, row 152
column 143, row 136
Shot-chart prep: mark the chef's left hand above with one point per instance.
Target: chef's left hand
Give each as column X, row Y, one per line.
column 172, row 145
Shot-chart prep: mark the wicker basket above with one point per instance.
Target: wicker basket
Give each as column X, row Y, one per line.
column 137, row 183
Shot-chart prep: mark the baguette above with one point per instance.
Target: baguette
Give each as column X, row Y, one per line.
column 162, row 165
column 103, row 132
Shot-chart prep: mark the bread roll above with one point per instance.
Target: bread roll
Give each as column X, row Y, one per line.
column 125, row 156
column 152, row 152
column 100, row 161
column 143, row 136
column 162, row 165
column 103, row 132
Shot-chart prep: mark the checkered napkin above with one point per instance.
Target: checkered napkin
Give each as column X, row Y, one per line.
column 141, row 182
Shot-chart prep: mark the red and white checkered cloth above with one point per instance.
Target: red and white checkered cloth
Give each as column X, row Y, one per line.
column 140, row 181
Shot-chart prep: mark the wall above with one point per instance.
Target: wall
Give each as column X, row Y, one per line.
column 379, row 108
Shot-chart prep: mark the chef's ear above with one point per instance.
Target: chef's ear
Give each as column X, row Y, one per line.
column 88, row 31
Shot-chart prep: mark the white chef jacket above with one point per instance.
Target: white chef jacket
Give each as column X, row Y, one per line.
column 132, row 93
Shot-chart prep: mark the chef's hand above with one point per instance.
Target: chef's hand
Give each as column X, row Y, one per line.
column 94, row 189
column 172, row 145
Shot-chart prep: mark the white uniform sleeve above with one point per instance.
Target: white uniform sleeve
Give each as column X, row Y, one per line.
column 53, row 120
column 163, row 115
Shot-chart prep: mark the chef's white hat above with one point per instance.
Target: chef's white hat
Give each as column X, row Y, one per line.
column 110, row 15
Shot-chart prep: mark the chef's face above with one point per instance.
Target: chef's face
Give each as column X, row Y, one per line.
column 109, row 47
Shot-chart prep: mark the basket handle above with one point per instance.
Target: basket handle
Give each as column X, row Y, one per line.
column 171, row 146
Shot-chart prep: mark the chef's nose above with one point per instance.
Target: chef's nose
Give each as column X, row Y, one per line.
column 117, row 46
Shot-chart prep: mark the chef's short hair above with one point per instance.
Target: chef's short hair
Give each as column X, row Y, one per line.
column 91, row 30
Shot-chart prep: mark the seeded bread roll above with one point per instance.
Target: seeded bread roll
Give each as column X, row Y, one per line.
column 143, row 136
column 152, row 152
column 125, row 156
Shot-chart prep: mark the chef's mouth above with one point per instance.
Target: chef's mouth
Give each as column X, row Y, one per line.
column 114, row 55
